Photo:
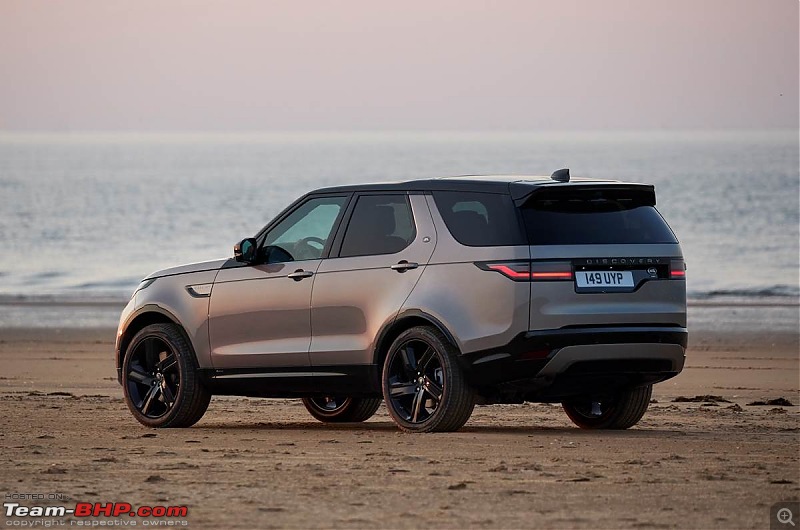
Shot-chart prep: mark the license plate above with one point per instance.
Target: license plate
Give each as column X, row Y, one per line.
column 603, row 279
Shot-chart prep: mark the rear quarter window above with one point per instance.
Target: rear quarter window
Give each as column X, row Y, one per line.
column 480, row 219
column 594, row 222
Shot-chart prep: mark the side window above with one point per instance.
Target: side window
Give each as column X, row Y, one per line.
column 304, row 233
column 479, row 219
column 380, row 224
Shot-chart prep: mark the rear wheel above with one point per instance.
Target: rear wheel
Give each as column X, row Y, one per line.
column 341, row 409
column 423, row 387
column 617, row 411
column 160, row 381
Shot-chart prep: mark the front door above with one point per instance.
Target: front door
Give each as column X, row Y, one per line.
column 259, row 315
column 387, row 243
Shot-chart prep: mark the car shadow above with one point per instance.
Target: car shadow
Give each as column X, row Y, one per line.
column 376, row 426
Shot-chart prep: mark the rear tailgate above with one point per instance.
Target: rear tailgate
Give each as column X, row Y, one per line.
column 601, row 255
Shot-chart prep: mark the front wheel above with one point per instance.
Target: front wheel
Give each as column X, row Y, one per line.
column 618, row 411
column 160, row 381
column 341, row 409
column 423, row 386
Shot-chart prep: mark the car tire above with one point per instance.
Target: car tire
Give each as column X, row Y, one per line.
column 160, row 381
column 341, row 409
column 423, row 386
column 621, row 411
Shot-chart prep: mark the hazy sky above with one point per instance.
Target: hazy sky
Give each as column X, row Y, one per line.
column 371, row 64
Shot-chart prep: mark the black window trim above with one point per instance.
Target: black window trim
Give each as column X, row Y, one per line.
column 338, row 239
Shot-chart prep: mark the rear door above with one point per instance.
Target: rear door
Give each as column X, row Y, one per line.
column 375, row 263
column 602, row 255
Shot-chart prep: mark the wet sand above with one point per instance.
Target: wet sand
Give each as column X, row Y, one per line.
column 266, row 463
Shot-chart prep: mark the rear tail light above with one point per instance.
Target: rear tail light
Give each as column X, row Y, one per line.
column 515, row 271
column 677, row 269
column 524, row 271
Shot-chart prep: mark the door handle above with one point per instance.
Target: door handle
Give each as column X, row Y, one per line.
column 299, row 274
column 403, row 266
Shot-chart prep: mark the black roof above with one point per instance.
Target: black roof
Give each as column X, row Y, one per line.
column 480, row 183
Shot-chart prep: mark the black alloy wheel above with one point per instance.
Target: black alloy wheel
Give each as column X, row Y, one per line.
column 620, row 410
column 341, row 409
column 423, row 386
column 153, row 378
column 415, row 381
column 160, row 380
column 329, row 403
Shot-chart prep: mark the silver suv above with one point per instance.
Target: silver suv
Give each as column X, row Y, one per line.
column 429, row 295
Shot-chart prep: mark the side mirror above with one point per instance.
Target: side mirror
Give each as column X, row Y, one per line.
column 245, row 250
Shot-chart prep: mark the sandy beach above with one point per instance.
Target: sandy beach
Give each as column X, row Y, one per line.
column 532, row 174
column 718, row 462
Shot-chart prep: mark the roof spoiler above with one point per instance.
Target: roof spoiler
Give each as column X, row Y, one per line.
column 643, row 194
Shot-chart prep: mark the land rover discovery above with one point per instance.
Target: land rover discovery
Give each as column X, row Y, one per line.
column 429, row 296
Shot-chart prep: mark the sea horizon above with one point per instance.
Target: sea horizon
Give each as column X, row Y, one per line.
column 108, row 208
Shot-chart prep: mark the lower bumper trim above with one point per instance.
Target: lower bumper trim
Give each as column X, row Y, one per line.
column 543, row 355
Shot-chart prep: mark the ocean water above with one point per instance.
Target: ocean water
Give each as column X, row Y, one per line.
column 86, row 216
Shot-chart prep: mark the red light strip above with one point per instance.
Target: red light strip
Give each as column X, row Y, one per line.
column 552, row 275
column 525, row 275
column 678, row 274
column 511, row 273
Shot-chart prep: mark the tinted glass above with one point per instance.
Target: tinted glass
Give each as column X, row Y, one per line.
column 586, row 222
column 304, row 233
column 479, row 219
column 380, row 224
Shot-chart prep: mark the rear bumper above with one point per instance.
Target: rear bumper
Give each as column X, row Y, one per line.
column 549, row 365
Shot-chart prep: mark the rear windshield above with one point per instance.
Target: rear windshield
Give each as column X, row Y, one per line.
column 585, row 222
column 479, row 219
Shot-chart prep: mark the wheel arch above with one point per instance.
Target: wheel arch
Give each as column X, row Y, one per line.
column 404, row 321
column 143, row 317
